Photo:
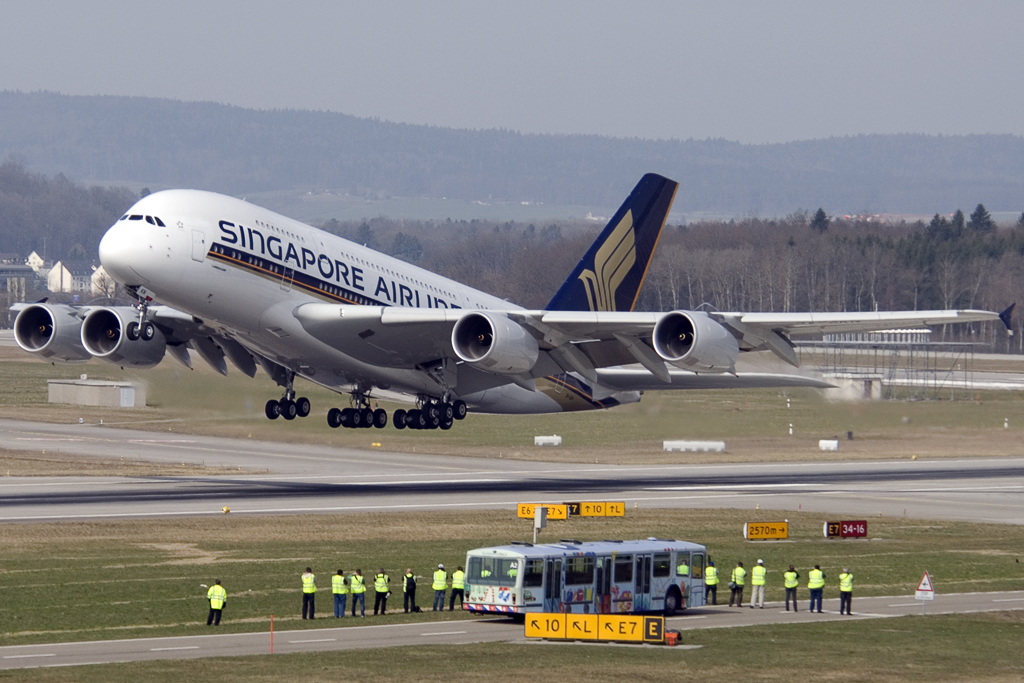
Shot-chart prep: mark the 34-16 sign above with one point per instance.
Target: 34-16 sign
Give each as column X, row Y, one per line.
column 849, row 529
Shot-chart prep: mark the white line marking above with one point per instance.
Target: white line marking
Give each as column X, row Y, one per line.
column 906, row 604
column 51, row 654
column 318, row 640
column 444, row 633
column 1009, row 600
column 167, row 649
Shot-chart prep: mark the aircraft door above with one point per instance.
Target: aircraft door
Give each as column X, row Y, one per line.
column 198, row 245
column 287, row 277
column 642, row 594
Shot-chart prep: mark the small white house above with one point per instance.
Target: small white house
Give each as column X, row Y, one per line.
column 70, row 276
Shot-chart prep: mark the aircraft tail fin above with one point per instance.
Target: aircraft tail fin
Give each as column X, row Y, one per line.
column 609, row 276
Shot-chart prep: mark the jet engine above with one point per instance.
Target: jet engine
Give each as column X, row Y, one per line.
column 693, row 341
column 115, row 335
column 52, row 331
column 495, row 344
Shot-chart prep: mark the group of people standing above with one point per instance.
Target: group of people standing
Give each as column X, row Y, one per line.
column 354, row 584
column 790, row 580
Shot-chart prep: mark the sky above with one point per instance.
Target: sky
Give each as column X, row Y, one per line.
column 754, row 72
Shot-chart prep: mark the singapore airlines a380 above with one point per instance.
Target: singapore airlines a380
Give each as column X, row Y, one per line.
column 231, row 281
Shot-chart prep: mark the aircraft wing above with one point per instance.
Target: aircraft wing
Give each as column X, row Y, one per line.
column 586, row 341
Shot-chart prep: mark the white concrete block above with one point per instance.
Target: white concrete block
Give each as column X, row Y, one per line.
column 704, row 446
column 553, row 440
column 828, row 445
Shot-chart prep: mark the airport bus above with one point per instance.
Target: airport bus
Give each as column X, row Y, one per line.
column 601, row 577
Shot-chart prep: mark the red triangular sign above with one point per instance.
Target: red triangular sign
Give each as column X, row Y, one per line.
column 926, row 583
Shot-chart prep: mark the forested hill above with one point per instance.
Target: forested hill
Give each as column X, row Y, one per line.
column 234, row 150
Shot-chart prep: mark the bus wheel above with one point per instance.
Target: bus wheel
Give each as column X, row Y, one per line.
column 672, row 602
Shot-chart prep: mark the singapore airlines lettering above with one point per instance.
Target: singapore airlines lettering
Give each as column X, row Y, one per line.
column 612, row 262
column 330, row 269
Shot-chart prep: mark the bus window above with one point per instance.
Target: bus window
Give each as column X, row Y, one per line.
column 662, row 564
column 554, row 586
column 683, row 563
column 534, row 575
column 492, row 571
column 579, row 571
column 697, row 567
column 623, row 568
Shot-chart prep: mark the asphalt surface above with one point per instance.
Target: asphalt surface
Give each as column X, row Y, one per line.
column 318, row 479
column 377, row 633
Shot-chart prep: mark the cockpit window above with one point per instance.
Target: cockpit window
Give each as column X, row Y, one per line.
column 124, row 217
column 159, row 222
column 135, row 217
column 149, row 219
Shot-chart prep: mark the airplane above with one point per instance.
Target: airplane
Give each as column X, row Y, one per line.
column 230, row 280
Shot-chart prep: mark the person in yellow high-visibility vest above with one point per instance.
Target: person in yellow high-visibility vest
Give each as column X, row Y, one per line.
column 711, row 583
column 339, row 587
column 382, row 589
column 308, row 593
column 218, row 597
column 738, row 581
column 458, row 587
column 757, row 580
column 846, row 592
column 791, row 580
column 440, row 586
column 816, row 583
column 357, row 585
column 409, row 591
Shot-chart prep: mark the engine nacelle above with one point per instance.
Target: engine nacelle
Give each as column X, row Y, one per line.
column 105, row 335
column 52, row 331
column 494, row 343
column 693, row 341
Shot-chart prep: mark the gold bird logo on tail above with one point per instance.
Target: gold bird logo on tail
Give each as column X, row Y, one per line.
column 612, row 263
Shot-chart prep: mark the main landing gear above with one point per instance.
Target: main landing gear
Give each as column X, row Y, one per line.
column 288, row 407
column 430, row 415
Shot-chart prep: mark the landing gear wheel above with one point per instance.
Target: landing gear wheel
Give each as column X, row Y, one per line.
column 460, row 409
column 346, row 418
column 380, row 418
column 367, row 416
column 302, row 406
column 273, row 409
column 333, row 418
column 147, row 331
column 432, row 410
column 132, row 331
column 288, row 409
column 419, row 420
column 446, row 424
column 447, row 412
column 434, row 422
column 399, row 419
column 355, row 419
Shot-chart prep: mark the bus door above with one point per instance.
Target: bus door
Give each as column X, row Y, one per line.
column 695, row 596
column 553, row 586
column 642, row 596
column 622, row 589
column 602, row 592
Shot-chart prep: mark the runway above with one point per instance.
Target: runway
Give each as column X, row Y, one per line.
column 316, row 479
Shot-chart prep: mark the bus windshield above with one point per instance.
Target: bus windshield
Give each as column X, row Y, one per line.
column 493, row 571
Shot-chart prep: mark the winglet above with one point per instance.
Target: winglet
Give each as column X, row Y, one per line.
column 1005, row 317
column 609, row 276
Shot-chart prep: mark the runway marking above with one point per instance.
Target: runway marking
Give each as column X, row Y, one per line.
column 317, row 640
column 168, row 649
column 444, row 633
column 1010, row 600
column 906, row 604
column 51, row 654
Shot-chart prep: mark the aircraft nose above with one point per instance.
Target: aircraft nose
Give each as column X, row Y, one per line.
column 118, row 252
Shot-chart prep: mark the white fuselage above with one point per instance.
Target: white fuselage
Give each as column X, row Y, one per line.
column 243, row 270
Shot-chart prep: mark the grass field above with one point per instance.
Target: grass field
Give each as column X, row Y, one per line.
column 83, row 581
column 941, row 649
column 753, row 423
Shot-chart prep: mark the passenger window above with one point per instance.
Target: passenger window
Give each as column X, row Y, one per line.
column 579, row 571
column 623, row 568
column 697, row 566
column 662, row 564
column 534, row 575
